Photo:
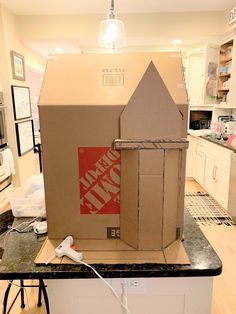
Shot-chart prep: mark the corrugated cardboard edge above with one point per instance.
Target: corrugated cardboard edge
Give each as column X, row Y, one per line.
column 171, row 196
column 129, row 197
column 121, row 254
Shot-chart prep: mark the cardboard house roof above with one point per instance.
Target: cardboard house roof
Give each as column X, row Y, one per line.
column 108, row 79
column 150, row 112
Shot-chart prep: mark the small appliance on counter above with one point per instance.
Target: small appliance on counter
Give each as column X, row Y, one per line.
column 230, row 127
column 200, row 124
column 200, row 119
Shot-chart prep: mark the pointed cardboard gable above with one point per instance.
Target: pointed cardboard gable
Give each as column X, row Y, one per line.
column 151, row 112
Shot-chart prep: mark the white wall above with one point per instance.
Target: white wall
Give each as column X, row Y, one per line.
column 10, row 40
column 151, row 29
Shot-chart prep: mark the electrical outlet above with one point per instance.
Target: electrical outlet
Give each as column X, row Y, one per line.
column 131, row 285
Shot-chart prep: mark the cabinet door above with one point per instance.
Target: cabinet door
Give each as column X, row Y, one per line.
column 200, row 77
column 199, row 163
column 196, row 78
column 210, row 176
column 217, row 180
column 222, row 175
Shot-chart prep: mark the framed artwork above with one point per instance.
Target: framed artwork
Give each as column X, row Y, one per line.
column 18, row 66
column 25, row 136
column 21, row 102
column 232, row 15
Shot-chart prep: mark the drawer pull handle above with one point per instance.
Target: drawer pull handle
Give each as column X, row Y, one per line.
column 214, row 171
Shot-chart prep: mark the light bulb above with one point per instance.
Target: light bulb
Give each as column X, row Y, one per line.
column 112, row 34
column 112, row 31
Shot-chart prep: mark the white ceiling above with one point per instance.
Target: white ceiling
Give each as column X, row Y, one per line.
column 69, row 7
column 38, row 7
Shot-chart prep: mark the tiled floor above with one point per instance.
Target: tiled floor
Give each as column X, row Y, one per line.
column 222, row 238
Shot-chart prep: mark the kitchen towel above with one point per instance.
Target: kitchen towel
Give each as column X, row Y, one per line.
column 10, row 160
column 7, row 167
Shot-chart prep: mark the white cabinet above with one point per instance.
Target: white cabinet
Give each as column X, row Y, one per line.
column 226, row 73
column 199, row 63
column 214, row 168
column 217, row 173
column 232, row 187
column 195, row 77
column 168, row 295
column 199, row 161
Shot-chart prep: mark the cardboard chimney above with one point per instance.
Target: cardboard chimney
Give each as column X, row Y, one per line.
column 113, row 131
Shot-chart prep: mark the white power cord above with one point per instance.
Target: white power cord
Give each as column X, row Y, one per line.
column 124, row 298
column 27, row 223
column 124, row 305
column 64, row 249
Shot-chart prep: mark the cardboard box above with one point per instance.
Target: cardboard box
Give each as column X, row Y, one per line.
column 113, row 252
column 113, row 131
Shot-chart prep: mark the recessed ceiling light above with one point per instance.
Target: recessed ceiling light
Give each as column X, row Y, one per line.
column 176, row 42
column 58, row 49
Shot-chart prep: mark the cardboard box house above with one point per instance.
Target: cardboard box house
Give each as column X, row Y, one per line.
column 113, row 131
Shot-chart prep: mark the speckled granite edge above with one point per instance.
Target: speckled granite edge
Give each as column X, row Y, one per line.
column 18, row 260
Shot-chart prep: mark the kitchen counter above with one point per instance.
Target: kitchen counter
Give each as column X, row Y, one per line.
column 206, row 134
column 218, row 142
column 22, row 248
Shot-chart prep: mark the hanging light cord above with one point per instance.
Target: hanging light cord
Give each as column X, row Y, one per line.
column 112, row 5
column 112, row 14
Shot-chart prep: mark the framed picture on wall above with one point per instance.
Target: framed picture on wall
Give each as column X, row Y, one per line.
column 25, row 136
column 21, row 102
column 18, row 66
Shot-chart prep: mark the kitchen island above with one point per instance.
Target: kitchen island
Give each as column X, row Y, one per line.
column 176, row 289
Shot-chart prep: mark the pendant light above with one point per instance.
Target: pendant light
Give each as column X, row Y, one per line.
column 112, row 31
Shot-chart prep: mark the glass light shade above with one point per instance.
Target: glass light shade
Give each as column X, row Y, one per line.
column 111, row 34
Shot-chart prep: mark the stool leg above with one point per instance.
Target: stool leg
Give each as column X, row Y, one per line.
column 40, row 296
column 22, row 294
column 4, row 308
column 45, row 295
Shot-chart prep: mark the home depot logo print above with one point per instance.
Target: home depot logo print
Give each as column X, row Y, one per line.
column 99, row 180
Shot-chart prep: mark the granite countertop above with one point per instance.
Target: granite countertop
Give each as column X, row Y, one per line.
column 218, row 142
column 22, row 248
